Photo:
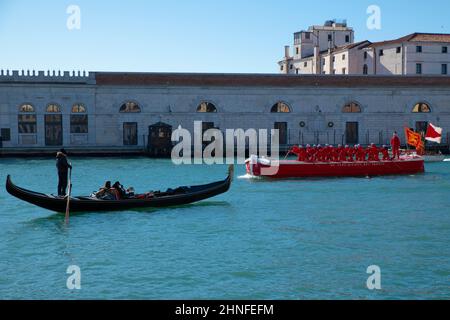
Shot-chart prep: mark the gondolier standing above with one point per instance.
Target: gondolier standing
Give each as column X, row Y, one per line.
column 63, row 169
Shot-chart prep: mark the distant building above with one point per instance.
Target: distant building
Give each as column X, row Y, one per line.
column 330, row 49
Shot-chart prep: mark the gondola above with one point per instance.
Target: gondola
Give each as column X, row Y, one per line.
column 171, row 197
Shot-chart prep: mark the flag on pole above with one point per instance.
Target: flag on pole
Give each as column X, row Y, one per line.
column 415, row 139
column 434, row 133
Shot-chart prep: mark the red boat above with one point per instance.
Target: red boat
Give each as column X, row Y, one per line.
column 263, row 167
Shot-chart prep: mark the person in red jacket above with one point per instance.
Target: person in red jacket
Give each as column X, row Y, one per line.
column 385, row 152
column 300, row 152
column 343, row 154
column 374, row 153
column 395, row 144
column 309, row 153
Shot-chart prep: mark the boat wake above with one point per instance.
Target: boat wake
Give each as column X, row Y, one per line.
column 248, row 177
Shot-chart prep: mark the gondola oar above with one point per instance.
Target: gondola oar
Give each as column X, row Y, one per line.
column 68, row 196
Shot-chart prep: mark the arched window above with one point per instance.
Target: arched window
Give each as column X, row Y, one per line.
column 53, row 108
column 26, row 108
column 421, row 108
column 78, row 120
column 206, row 107
column 27, row 119
column 130, row 107
column 78, row 108
column 352, row 107
column 280, row 107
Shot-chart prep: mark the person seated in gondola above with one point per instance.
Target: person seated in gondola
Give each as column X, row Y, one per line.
column 130, row 193
column 103, row 190
column 119, row 190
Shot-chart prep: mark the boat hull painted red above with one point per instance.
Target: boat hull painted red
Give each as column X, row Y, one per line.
column 296, row 169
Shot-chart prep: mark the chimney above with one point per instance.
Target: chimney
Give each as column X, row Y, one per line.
column 317, row 60
column 287, row 52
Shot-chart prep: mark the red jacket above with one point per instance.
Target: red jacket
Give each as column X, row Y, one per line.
column 395, row 142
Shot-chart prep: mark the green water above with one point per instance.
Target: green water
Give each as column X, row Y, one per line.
column 292, row 239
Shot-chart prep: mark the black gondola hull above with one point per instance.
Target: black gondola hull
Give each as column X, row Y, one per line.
column 86, row 204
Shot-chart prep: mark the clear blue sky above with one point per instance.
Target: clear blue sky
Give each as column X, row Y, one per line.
column 188, row 35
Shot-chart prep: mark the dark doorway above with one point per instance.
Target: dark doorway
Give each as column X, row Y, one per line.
column 160, row 139
column 53, row 130
column 206, row 126
column 351, row 133
column 130, row 134
column 282, row 127
column 421, row 127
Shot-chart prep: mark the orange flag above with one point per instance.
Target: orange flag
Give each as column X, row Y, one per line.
column 415, row 139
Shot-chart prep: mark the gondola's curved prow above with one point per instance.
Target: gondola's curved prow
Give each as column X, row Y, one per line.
column 86, row 204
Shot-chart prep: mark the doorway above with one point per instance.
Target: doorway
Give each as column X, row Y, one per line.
column 283, row 131
column 130, row 134
column 351, row 133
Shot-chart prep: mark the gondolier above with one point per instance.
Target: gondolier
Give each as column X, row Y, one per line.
column 63, row 166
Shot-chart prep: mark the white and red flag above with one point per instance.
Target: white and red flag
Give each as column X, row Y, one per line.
column 434, row 133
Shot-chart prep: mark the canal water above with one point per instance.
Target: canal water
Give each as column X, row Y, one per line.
column 292, row 239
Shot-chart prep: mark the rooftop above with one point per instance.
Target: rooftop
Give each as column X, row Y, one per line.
column 416, row 37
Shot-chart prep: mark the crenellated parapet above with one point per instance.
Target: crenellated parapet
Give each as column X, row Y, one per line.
column 53, row 76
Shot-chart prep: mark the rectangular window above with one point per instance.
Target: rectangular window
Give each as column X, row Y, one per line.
column 291, row 67
column 297, row 50
column 27, row 123
column 419, row 49
column 330, row 37
column 444, row 69
column 344, row 71
column 399, row 49
column 343, row 57
column 282, row 68
column 334, row 59
column 5, row 134
column 307, row 35
column 418, row 68
column 347, row 38
column 79, row 123
column 305, row 64
column 444, row 49
column 365, row 55
column 381, row 52
column 323, row 61
column 296, row 71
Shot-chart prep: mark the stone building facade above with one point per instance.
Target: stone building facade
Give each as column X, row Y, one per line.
column 330, row 49
column 105, row 111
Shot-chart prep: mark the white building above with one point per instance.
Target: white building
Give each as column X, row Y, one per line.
column 128, row 111
column 330, row 49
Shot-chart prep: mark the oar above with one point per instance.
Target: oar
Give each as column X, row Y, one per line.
column 68, row 196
